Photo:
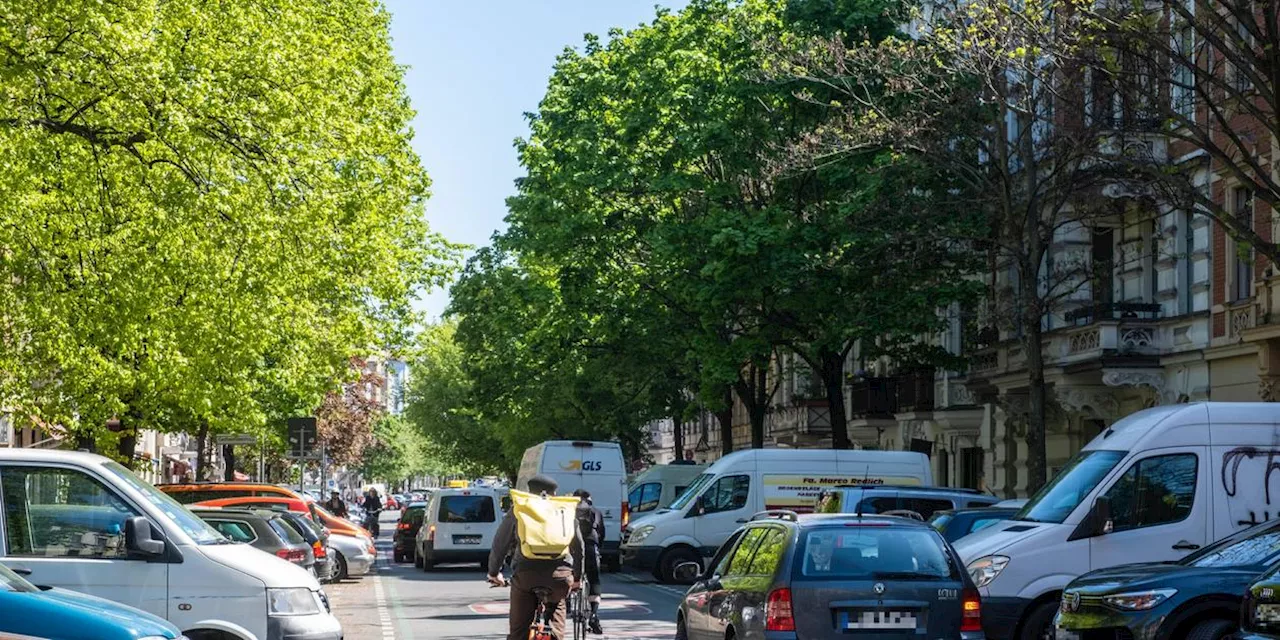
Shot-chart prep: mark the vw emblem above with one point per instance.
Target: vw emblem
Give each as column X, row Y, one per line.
column 1071, row 601
column 878, row 588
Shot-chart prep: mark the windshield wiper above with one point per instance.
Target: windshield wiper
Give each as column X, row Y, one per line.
column 1024, row 519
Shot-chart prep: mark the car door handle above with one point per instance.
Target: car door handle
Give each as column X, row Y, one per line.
column 22, row 571
column 743, row 521
column 1183, row 545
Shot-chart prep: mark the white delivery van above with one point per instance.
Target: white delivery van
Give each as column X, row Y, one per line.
column 597, row 467
column 729, row 492
column 82, row 522
column 660, row 485
column 458, row 526
column 1153, row 487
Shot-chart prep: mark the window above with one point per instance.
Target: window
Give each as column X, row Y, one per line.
column 740, row 561
column 971, row 467
column 1258, row 545
column 1103, row 281
column 645, row 497
column 877, row 505
column 1154, row 491
column 1182, row 92
column 1243, row 48
column 51, row 512
column 692, row 492
column 287, row 533
column 769, row 552
column 1056, row 500
column 413, row 515
column 466, row 509
column 727, row 494
column 720, row 562
column 235, row 531
column 842, row 553
column 1242, row 200
column 983, row 523
column 924, row 506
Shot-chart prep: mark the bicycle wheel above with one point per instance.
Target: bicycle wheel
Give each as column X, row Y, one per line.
column 579, row 615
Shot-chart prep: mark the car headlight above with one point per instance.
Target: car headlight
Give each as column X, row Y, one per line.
column 640, row 534
column 985, row 569
column 292, row 602
column 1138, row 600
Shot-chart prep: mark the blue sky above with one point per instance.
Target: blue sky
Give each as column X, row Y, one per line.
column 474, row 69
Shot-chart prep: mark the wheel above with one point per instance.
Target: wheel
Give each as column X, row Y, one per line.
column 1213, row 629
column 417, row 560
column 1039, row 623
column 397, row 557
column 672, row 558
column 682, row 633
column 340, row 573
column 428, row 563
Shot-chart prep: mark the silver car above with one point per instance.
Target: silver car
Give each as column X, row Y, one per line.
column 353, row 555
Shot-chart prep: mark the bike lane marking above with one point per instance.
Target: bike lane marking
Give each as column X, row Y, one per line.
column 384, row 615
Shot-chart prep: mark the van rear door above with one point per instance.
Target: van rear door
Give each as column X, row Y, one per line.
column 1160, row 508
column 596, row 467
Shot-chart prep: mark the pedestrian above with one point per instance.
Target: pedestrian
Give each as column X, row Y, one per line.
column 558, row 576
column 336, row 505
column 591, row 526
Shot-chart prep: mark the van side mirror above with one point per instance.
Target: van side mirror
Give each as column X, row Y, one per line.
column 687, row 572
column 141, row 538
column 1100, row 516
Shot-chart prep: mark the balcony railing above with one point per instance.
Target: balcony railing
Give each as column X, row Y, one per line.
column 874, row 398
column 915, row 391
column 1113, row 311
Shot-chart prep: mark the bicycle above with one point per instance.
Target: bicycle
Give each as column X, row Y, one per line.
column 540, row 627
column 577, row 610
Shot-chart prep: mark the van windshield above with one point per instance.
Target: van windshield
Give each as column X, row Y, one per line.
column 692, row 491
column 199, row 530
column 1056, row 500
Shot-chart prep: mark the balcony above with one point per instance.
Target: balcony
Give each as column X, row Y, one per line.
column 874, row 398
column 1113, row 311
column 916, row 391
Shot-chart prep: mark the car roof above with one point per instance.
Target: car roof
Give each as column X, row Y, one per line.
column 817, row 519
column 917, row 488
column 52, row 455
column 264, row 514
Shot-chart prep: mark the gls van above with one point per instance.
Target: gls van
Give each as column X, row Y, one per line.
column 1153, row 487
column 725, row 496
column 597, row 467
column 85, row 523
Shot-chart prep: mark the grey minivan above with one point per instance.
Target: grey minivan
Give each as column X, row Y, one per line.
column 784, row 576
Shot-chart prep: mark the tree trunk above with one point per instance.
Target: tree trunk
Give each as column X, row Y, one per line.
column 202, row 459
column 677, row 432
column 1037, row 396
column 832, row 372
column 725, row 418
column 229, row 457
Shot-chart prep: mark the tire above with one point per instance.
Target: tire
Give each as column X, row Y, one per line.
column 1038, row 624
column 682, row 633
column 417, row 558
column 340, row 571
column 670, row 558
column 428, row 563
column 397, row 557
column 1212, row 629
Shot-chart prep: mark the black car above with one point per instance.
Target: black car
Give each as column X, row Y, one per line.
column 404, row 542
column 954, row 524
column 1196, row 598
column 784, row 576
column 1260, row 612
column 316, row 536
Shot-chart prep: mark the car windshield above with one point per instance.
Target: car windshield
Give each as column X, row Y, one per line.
column 10, row 581
column 939, row 520
column 872, row 553
column 466, row 509
column 1063, row 494
column 692, row 491
column 199, row 530
column 1258, row 545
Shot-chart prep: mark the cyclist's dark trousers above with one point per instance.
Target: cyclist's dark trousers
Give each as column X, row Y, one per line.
column 524, row 603
column 591, row 568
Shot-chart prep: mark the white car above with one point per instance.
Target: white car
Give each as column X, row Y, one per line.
column 458, row 526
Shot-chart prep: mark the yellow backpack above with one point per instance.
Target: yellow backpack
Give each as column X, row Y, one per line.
column 546, row 524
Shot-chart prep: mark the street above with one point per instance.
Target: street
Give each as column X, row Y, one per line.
column 400, row 602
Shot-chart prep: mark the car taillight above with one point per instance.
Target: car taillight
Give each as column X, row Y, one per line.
column 777, row 611
column 318, row 548
column 295, row 556
column 626, row 514
column 971, row 618
column 404, row 526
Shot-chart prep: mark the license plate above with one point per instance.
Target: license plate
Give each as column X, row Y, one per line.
column 1268, row 613
column 878, row 620
column 466, row 539
column 1064, row 634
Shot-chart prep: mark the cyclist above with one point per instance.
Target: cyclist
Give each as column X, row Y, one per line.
column 558, row 576
column 591, row 527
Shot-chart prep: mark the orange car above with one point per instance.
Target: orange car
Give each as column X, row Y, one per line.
column 317, row 513
column 202, row 491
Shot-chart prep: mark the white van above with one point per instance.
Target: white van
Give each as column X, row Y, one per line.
column 660, row 485
column 85, row 523
column 597, row 467
column 729, row 492
column 1153, row 487
column 458, row 526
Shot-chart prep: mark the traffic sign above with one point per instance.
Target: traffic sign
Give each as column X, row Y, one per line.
column 302, row 437
column 233, row 438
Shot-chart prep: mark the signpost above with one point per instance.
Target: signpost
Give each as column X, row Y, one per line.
column 302, row 438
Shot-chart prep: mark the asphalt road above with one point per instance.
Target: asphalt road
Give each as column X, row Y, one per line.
column 399, row 602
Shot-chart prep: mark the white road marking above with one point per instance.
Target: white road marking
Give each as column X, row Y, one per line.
column 384, row 613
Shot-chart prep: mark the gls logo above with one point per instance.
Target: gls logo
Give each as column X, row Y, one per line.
column 582, row 465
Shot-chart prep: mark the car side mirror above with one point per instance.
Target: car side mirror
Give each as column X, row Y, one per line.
column 687, row 572
column 1101, row 516
column 141, row 538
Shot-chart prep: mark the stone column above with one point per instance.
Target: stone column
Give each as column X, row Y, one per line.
column 1269, row 370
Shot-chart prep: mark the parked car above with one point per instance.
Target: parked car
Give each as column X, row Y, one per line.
column 191, row 493
column 55, row 614
column 110, row 534
column 317, row 513
column 1200, row 470
column 1197, row 598
column 1260, row 611
column 924, row 501
column 830, row 576
column 316, row 536
column 747, row 482
column 405, row 541
column 352, row 555
column 458, row 526
column 597, row 467
column 954, row 524
column 262, row 529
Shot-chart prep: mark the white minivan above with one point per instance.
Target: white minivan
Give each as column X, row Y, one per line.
column 660, row 485
column 1153, row 487
column 458, row 525
column 597, row 467
column 85, row 523
column 729, row 492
